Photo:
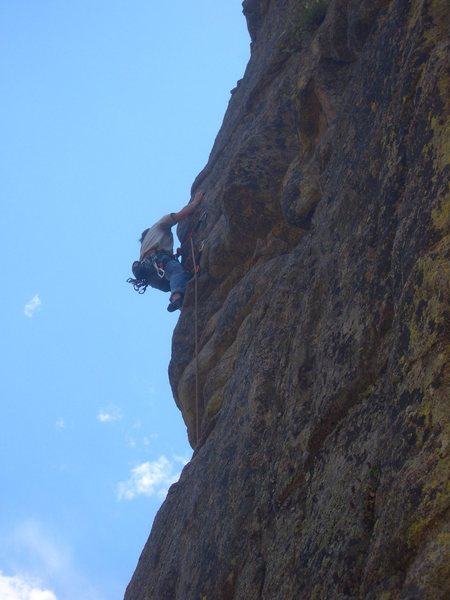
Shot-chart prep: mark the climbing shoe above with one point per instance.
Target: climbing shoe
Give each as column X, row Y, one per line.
column 175, row 305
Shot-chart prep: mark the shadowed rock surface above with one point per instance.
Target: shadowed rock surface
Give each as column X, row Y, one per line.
column 321, row 465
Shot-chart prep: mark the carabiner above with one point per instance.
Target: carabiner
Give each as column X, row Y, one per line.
column 160, row 271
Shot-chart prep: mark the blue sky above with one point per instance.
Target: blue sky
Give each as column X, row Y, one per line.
column 109, row 110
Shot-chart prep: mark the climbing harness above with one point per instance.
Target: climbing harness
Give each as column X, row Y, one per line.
column 148, row 272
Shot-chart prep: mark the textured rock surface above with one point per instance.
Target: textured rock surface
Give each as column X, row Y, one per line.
column 321, row 467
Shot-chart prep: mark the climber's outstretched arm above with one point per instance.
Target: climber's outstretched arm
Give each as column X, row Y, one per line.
column 188, row 209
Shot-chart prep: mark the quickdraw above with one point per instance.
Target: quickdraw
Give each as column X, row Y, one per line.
column 139, row 285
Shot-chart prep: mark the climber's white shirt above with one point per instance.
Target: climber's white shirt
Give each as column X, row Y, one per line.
column 159, row 236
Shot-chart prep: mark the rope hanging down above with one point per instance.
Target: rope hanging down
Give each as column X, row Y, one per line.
column 197, row 407
column 196, row 267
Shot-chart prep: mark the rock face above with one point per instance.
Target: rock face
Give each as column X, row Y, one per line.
column 321, row 421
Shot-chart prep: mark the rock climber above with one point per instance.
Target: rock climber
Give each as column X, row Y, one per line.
column 157, row 244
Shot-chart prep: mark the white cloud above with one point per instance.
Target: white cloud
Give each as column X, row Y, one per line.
column 109, row 414
column 147, row 440
column 60, row 423
column 18, row 588
column 43, row 563
column 182, row 459
column 133, row 441
column 148, row 479
column 32, row 306
column 38, row 548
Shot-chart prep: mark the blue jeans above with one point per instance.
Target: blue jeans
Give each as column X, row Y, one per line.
column 174, row 273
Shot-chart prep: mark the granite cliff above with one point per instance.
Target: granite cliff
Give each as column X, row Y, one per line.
column 321, row 418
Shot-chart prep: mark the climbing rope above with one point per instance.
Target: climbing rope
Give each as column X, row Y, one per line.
column 197, row 407
column 195, row 266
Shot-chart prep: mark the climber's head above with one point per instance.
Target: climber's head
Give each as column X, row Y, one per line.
column 143, row 235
